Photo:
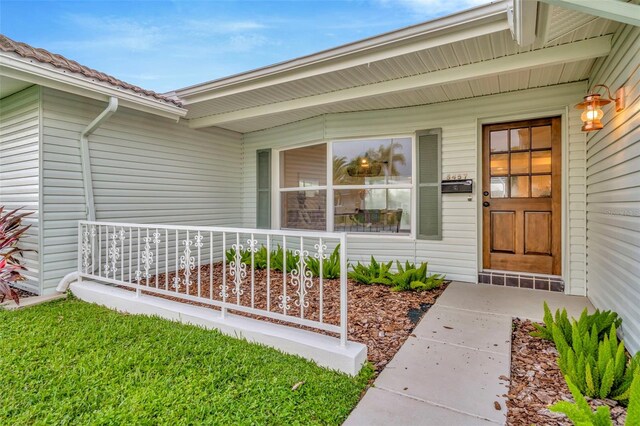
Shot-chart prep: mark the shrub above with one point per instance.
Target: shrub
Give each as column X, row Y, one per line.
column 11, row 230
column 374, row 273
column 602, row 320
column 330, row 265
column 411, row 278
column 579, row 412
column 598, row 368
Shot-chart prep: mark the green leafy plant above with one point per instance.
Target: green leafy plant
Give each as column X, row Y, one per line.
column 330, row 265
column 374, row 273
column 579, row 412
column 411, row 278
column 11, row 268
column 245, row 256
column 599, row 368
column 603, row 320
column 277, row 260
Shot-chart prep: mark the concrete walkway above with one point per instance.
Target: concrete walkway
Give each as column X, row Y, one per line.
column 452, row 369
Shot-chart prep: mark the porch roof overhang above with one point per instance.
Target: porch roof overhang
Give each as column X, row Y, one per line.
column 485, row 50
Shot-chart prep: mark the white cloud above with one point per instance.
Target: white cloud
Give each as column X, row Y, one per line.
column 428, row 8
column 209, row 26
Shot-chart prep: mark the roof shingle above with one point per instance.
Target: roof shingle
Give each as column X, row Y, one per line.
column 59, row 61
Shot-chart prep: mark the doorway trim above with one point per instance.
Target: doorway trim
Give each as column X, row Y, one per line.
column 563, row 113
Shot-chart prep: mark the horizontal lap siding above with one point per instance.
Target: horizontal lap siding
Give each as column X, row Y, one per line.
column 145, row 169
column 19, row 165
column 613, row 191
column 457, row 253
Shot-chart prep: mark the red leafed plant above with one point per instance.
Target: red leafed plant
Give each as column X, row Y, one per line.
column 11, row 229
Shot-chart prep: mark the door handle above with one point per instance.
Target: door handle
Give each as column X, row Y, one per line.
column 486, row 204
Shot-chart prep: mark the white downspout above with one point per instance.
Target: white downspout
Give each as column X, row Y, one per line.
column 85, row 158
column 85, row 163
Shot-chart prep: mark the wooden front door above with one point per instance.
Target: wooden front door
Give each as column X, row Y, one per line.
column 521, row 196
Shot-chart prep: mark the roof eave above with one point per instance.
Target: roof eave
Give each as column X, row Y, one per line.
column 32, row 71
column 492, row 13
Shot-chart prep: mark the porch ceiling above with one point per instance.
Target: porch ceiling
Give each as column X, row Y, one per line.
column 273, row 105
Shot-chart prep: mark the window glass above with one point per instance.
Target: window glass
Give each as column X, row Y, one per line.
column 372, row 210
column 541, row 137
column 519, row 163
column 499, row 164
column 499, row 141
column 304, row 167
column 519, row 139
column 541, row 186
column 371, row 162
column 304, row 209
column 499, row 188
column 519, row 186
column 541, row 162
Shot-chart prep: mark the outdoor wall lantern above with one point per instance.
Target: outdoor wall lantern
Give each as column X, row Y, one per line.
column 592, row 106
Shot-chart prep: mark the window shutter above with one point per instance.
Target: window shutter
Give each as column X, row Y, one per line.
column 263, row 185
column 429, row 212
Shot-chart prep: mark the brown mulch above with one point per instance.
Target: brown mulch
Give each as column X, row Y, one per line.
column 537, row 382
column 377, row 317
column 22, row 294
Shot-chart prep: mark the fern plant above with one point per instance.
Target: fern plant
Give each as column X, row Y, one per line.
column 330, row 265
column 603, row 320
column 245, row 256
column 599, row 368
column 411, row 278
column 374, row 273
column 579, row 412
column 278, row 259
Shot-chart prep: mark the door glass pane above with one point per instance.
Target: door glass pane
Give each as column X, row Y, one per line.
column 541, row 162
column 541, row 137
column 499, row 141
column 541, row 186
column 372, row 210
column 305, row 166
column 499, row 164
column 376, row 161
column 519, row 163
column 519, row 186
column 304, row 209
column 519, row 139
column 499, row 187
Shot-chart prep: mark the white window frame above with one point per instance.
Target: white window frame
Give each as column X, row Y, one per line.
column 329, row 187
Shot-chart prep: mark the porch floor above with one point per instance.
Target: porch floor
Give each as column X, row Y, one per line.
column 449, row 371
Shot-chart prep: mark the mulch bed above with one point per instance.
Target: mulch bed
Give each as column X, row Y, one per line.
column 22, row 294
column 377, row 317
column 537, row 382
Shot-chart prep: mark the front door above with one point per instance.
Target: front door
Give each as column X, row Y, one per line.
column 521, row 196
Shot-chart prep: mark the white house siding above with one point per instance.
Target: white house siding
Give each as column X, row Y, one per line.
column 457, row 254
column 145, row 169
column 19, row 165
column 613, row 190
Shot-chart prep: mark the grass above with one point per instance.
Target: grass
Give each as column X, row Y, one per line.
column 70, row 362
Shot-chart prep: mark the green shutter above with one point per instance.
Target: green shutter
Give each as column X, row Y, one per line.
column 263, row 185
column 429, row 174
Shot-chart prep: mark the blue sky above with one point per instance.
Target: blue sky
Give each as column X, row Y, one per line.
column 166, row 45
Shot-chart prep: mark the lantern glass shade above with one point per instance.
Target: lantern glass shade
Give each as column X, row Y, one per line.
column 592, row 106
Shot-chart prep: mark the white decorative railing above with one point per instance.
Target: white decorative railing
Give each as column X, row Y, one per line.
column 223, row 267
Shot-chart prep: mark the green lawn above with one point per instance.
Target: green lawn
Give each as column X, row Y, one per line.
column 73, row 362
